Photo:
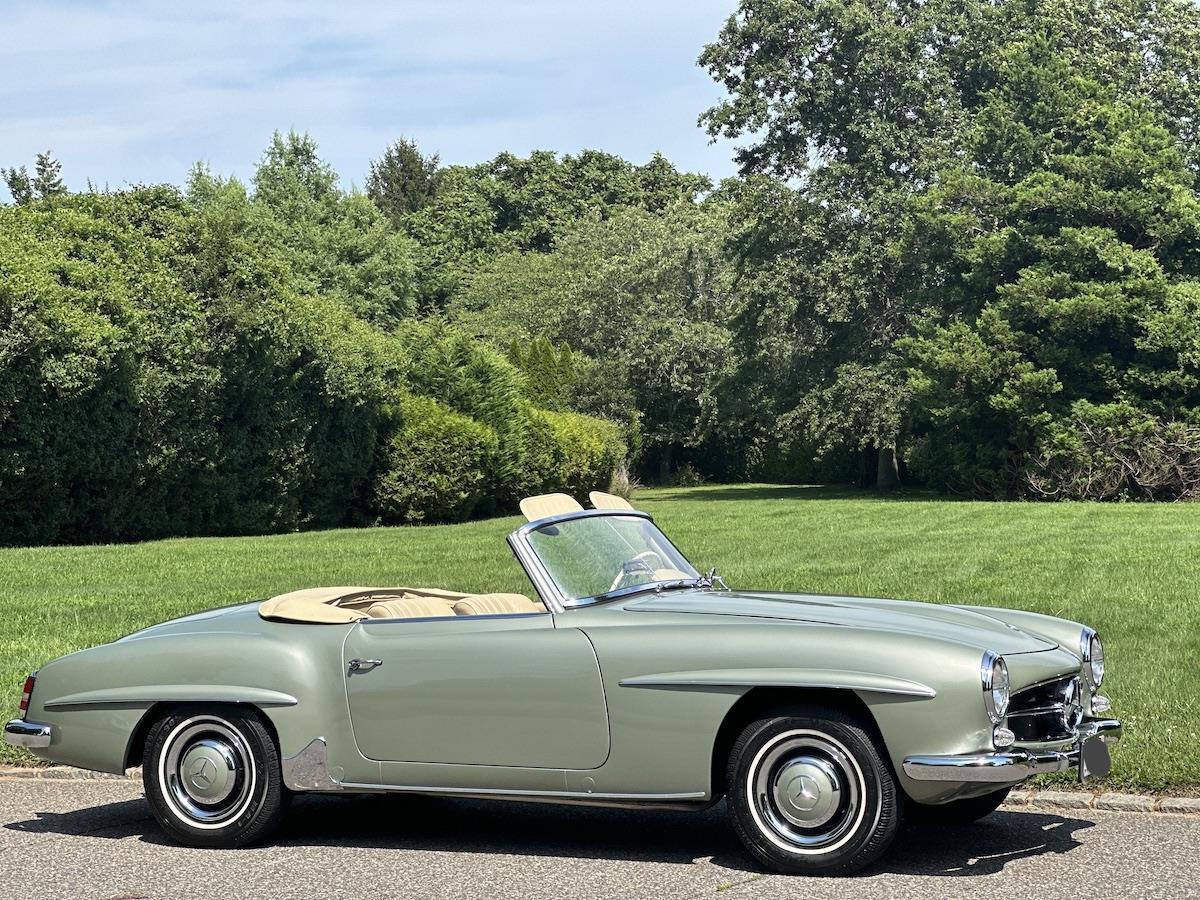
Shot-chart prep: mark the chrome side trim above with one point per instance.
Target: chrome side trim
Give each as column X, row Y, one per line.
column 1009, row 766
column 19, row 733
column 550, row 796
column 308, row 770
column 174, row 693
column 797, row 678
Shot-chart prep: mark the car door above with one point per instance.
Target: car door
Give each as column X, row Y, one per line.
column 509, row 690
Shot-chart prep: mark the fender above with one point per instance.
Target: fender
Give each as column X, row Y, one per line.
column 865, row 682
column 174, row 693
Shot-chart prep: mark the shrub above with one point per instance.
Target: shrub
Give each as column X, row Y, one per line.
column 623, row 483
column 434, row 467
column 1116, row 452
column 586, row 451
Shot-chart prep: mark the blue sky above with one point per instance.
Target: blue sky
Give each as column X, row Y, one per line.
column 135, row 92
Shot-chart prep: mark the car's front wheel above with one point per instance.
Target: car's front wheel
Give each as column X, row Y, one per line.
column 811, row 793
column 212, row 777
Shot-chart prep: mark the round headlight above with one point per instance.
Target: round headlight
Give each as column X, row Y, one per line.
column 1092, row 652
column 993, row 672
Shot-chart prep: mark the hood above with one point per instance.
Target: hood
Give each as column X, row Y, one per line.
column 951, row 623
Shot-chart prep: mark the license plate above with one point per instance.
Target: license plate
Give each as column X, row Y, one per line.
column 1094, row 761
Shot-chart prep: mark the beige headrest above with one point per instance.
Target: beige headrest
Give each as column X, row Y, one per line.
column 546, row 505
column 601, row 500
column 496, row 605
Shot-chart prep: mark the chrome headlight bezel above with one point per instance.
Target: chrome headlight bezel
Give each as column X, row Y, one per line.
column 993, row 673
column 1091, row 652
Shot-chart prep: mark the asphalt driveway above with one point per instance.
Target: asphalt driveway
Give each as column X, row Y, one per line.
column 97, row 839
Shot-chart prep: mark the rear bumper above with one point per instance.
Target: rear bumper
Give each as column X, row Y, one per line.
column 20, row 733
column 1009, row 766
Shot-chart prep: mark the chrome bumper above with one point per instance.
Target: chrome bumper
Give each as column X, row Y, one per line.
column 20, row 733
column 1009, row 766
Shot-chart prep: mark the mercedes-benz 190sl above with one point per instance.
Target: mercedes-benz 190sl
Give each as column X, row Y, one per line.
column 630, row 679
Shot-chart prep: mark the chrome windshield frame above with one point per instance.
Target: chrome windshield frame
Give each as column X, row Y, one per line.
column 539, row 575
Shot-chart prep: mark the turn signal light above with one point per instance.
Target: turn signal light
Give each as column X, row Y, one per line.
column 1002, row 737
column 26, row 692
column 1100, row 704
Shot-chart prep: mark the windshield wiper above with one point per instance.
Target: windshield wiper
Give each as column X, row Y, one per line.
column 656, row 586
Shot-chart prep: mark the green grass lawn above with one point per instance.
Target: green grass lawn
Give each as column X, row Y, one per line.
column 1132, row 571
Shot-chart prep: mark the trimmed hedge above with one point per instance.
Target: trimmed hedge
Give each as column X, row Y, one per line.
column 583, row 452
column 162, row 373
column 435, row 467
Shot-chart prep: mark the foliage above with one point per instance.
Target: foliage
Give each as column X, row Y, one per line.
column 1071, row 280
column 434, row 467
column 1118, row 453
column 514, row 204
column 200, row 363
column 624, row 483
column 870, row 110
column 549, row 372
column 45, row 184
column 645, row 296
column 403, row 180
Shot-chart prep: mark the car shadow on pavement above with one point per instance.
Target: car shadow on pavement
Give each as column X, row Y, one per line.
column 530, row 829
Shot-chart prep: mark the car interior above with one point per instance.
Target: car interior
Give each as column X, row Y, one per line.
column 351, row 604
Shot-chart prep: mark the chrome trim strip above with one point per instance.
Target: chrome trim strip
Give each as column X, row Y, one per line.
column 669, row 680
column 63, row 702
column 19, row 733
column 308, row 770
column 1009, row 766
column 579, row 514
column 532, row 795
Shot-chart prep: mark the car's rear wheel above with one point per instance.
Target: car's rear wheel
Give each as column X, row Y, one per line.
column 212, row 776
column 956, row 812
column 810, row 792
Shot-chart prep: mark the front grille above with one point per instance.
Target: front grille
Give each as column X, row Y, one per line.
column 1050, row 711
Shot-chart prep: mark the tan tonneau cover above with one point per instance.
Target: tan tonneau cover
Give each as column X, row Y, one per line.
column 334, row 605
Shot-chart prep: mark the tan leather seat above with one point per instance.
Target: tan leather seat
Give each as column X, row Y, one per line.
column 411, row 608
column 496, row 605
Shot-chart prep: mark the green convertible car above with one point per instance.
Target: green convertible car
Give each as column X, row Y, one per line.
column 631, row 680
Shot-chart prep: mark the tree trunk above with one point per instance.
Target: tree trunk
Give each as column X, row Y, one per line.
column 664, row 465
column 887, row 476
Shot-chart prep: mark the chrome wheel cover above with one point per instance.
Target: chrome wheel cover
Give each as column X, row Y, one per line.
column 207, row 773
column 807, row 792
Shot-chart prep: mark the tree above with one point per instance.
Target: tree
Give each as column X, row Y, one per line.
column 645, row 296
column 45, row 183
column 403, row 180
column 516, row 204
column 47, row 179
column 1070, row 238
column 861, row 104
column 20, row 185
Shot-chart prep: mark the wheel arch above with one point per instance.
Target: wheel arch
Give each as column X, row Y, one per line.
column 135, row 749
column 760, row 702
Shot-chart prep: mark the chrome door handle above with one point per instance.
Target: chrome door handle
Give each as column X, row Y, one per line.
column 363, row 665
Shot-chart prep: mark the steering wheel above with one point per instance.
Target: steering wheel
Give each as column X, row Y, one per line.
column 640, row 563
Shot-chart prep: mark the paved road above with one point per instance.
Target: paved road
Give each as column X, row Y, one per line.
column 97, row 839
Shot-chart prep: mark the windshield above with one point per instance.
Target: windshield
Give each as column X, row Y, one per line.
column 590, row 557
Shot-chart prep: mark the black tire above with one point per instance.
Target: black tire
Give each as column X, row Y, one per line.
column 212, row 776
column 956, row 812
column 810, row 792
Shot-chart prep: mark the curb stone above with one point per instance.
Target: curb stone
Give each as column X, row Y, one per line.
column 1108, row 801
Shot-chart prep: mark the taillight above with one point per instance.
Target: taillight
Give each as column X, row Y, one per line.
column 26, row 692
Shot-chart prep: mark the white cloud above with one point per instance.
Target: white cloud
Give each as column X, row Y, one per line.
column 136, row 91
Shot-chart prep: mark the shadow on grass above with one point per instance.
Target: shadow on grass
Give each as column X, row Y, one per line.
column 413, row 823
column 793, row 492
